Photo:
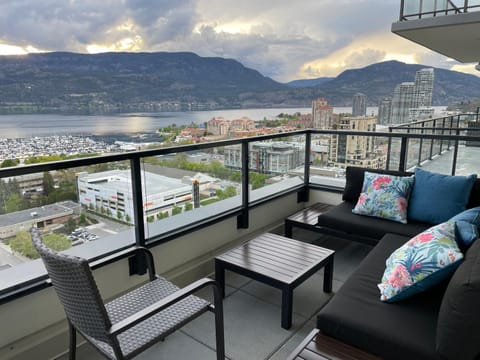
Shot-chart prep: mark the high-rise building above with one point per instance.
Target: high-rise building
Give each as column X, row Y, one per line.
column 359, row 105
column 424, row 88
column 402, row 102
column 345, row 150
column 322, row 114
column 384, row 111
column 412, row 101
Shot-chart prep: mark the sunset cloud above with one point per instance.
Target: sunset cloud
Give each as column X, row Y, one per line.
column 283, row 39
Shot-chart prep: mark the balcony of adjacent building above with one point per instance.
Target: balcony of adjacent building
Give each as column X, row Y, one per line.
column 448, row 27
column 154, row 188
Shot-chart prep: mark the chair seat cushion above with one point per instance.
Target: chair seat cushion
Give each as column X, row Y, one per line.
column 356, row 316
column 157, row 326
column 341, row 218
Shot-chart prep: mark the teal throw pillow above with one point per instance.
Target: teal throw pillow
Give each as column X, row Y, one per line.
column 437, row 197
column 422, row 262
column 384, row 196
column 467, row 227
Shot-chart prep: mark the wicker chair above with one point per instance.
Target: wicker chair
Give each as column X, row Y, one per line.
column 129, row 324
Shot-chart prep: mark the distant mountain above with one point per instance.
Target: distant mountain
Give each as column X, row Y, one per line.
column 379, row 80
column 120, row 81
column 308, row 82
column 128, row 82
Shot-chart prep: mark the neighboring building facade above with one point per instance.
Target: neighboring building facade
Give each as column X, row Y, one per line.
column 322, row 114
column 267, row 157
column 44, row 217
column 220, row 126
column 348, row 150
column 413, row 101
column 424, row 88
column 359, row 105
column 112, row 192
column 402, row 102
column 384, row 111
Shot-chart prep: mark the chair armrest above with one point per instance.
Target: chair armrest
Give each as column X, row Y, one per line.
column 160, row 305
column 134, row 250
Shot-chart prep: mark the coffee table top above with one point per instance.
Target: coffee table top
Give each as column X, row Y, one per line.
column 277, row 257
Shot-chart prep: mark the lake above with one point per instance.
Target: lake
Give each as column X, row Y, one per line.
column 24, row 126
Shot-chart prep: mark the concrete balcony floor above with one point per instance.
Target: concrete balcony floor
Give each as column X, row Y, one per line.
column 252, row 313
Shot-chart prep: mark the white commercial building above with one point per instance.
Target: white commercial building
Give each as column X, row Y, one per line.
column 112, row 192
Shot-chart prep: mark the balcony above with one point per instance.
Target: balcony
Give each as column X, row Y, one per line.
column 253, row 194
column 448, row 27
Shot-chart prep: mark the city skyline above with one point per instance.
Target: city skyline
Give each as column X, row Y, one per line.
column 259, row 35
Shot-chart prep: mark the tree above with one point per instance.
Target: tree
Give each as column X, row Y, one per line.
column 127, row 218
column 188, row 206
column 82, row 220
column 70, row 225
column 48, row 183
column 176, row 210
column 15, row 202
column 150, row 218
column 119, row 215
column 9, row 163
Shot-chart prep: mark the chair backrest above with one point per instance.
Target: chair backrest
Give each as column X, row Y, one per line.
column 76, row 288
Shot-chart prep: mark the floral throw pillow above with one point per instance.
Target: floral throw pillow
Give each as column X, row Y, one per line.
column 385, row 196
column 422, row 262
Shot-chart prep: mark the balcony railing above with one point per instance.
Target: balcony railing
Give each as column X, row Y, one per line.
column 418, row 9
column 238, row 175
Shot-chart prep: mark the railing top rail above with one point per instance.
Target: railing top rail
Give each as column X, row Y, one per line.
column 450, row 8
column 458, row 116
column 66, row 164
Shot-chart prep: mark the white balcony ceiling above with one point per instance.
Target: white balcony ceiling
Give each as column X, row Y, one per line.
column 455, row 36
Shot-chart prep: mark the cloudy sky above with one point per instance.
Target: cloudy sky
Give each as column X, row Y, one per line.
column 283, row 39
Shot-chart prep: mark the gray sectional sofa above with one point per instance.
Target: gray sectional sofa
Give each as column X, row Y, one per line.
column 441, row 323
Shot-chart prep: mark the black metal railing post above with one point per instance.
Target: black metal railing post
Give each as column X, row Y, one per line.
column 433, row 141
column 303, row 195
column 389, row 151
column 420, row 146
column 441, row 140
column 403, row 154
column 465, row 7
column 402, row 5
column 137, row 263
column 242, row 219
column 455, row 153
column 137, row 198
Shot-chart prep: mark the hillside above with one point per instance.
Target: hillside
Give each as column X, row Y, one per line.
column 379, row 80
column 127, row 82
column 121, row 80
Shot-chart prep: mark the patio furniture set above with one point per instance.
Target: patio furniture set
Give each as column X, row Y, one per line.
column 355, row 324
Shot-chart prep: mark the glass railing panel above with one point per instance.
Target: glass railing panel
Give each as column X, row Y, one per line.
column 347, row 150
column 276, row 165
column 181, row 189
column 428, row 8
column 411, row 7
column 82, row 211
column 323, row 171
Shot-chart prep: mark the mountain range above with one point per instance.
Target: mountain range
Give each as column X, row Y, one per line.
column 122, row 82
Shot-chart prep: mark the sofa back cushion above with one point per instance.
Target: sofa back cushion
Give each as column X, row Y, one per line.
column 437, row 197
column 354, row 181
column 458, row 327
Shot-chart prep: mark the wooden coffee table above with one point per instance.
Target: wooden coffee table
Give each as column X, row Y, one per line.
column 279, row 262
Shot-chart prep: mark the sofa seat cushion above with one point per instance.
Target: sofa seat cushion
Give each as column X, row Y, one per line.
column 341, row 218
column 356, row 316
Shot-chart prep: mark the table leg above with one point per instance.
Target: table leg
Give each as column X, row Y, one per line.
column 287, row 307
column 220, row 276
column 288, row 229
column 328, row 276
